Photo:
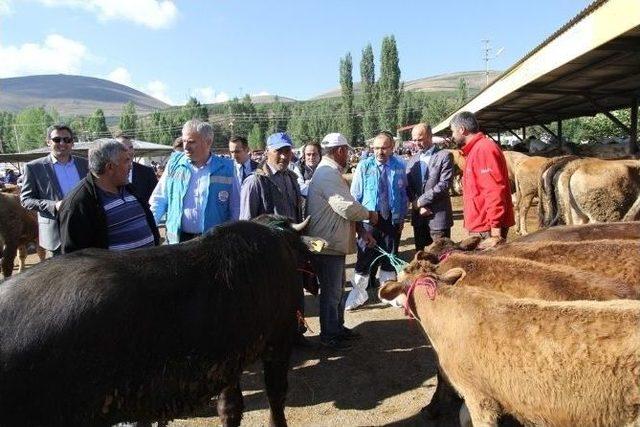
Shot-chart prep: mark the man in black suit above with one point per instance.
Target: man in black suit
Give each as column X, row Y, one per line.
column 429, row 172
column 142, row 178
column 243, row 166
column 48, row 180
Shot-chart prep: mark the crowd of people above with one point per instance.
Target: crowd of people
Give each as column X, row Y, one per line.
column 109, row 201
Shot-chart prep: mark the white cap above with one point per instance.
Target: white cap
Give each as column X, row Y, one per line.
column 334, row 140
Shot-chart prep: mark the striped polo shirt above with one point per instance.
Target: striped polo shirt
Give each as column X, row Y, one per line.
column 127, row 226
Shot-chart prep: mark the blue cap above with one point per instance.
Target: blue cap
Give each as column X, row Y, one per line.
column 278, row 140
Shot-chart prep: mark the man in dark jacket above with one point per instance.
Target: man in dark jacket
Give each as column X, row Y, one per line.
column 103, row 211
column 142, row 178
column 429, row 173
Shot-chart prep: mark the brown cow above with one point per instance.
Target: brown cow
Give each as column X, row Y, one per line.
column 527, row 175
column 519, row 278
column 18, row 227
column 617, row 259
column 595, row 231
column 544, row 362
column 590, row 190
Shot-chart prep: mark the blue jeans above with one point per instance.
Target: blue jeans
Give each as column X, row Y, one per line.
column 330, row 272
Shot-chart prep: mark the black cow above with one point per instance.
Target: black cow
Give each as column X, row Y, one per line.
column 98, row 337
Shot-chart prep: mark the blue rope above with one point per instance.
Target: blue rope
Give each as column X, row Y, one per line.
column 396, row 262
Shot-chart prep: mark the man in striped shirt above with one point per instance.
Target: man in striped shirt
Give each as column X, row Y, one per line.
column 103, row 210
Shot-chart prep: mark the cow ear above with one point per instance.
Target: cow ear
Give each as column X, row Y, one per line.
column 470, row 243
column 452, row 276
column 390, row 290
column 426, row 256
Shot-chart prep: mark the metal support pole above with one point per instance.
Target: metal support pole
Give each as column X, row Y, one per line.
column 559, row 132
column 633, row 130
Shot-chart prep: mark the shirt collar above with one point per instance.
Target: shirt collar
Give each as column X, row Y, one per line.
column 55, row 161
column 469, row 145
column 428, row 152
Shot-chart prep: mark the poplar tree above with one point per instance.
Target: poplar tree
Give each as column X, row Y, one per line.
column 347, row 122
column 368, row 89
column 389, row 85
column 97, row 125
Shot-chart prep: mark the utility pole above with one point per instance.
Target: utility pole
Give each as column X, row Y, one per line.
column 487, row 56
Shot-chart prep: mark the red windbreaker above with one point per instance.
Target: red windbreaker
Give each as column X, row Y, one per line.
column 486, row 194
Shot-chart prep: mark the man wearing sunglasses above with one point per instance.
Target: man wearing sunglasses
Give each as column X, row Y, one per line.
column 48, row 180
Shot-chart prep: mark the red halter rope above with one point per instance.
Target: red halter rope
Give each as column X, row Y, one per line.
column 431, row 287
column 444, row 255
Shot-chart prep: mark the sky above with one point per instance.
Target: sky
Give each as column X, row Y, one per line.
column 216, row 50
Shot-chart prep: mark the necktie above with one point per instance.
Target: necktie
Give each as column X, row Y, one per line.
column 383, row 193
column 243, row 172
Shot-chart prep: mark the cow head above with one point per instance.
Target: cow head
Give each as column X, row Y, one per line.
column 304, row 245
column 440, row 248
column 405, row 290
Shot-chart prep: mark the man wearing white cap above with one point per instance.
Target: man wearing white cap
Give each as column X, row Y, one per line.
column 334, row 213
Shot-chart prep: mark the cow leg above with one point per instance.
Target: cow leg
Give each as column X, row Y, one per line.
column 231, row 405
column 444, row 400
column 275, row 378
column 8, row 258
column 42, row 253
column 483, row 412
column 22, row 257
column 524, row 206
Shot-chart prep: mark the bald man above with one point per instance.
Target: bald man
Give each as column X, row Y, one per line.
column 429, row 173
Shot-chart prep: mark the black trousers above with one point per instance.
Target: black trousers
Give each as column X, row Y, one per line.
column 387, row 236
column 423, row 236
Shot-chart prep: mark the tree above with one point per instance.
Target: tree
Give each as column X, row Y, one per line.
column 97, row 125
column 368, row 89
column 7, row 134
column 129, row 120
column 436, row 110
column 278, row 117
column 462, row 93
column 347, row 125
column 31, row 125
column 193, row 109
column 256, row 138
column 389, row 84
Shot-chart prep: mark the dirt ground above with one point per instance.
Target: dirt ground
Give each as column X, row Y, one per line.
column 384, row 379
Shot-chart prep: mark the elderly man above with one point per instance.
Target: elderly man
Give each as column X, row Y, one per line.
column 142, row 178
column 104, row 211
column 486, row 196
column 306, row 166
column 273, row 189
column 48, row 180
column 380, row 184
column 334, row 214
column 429, row 174
column 196, row 190
column 242, row 164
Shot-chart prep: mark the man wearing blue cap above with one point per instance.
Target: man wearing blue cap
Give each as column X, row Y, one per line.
column 273, row 188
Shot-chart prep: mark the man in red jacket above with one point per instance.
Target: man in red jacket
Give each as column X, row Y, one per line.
column 487, row 206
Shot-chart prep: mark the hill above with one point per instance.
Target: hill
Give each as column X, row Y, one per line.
column 72, row 95
column 476, row 80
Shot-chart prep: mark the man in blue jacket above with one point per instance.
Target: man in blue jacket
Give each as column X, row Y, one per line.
column 379, row 184
column 196, row 190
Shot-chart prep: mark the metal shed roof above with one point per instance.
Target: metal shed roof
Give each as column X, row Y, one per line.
column 590, row 65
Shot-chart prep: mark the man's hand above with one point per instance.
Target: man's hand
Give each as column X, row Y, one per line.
column 425, row 211
column 373, row 217
column 490, row 242
column 368, row 239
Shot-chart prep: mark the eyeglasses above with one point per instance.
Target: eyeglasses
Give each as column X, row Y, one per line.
column 66, row 139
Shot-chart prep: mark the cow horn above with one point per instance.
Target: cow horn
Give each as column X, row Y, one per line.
column 301, row 226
